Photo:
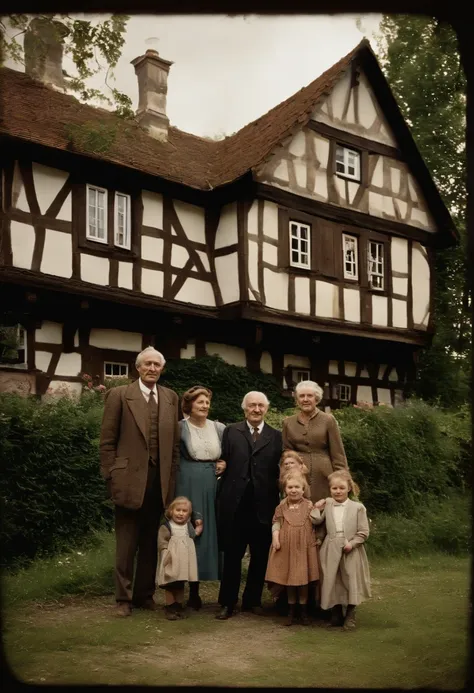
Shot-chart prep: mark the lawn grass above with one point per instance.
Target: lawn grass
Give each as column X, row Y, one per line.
column 412, row 633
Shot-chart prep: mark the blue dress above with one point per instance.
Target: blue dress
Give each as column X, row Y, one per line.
column 196, row 479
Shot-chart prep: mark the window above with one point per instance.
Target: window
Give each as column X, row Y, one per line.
column 347, row 163
column 115, row 370
column 300, row 245
column 300, row 375
column 12, row 345
column 349, row 249
column 122, row 220
column 344, row 393
column 375, row 265
column 96, row 229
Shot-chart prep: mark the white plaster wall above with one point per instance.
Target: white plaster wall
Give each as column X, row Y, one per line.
column 266, row 362
column 125, row 275
column 364, row 394
column 196, row 291
column 375, row 203
column 227, row 272
column 377, row 176
column 382, row 368
column 94, row 269
column 400, row 286
column 231, row 354
column 270, row 254
column 402, row 207
column 395, row 180
column 69, row 364
column 321, row 145
column 327, row 300
column 48, row 182
column 420, row 218
column 421, row 284
column 298, row 144
column 281, row 171
column 152, row 209
column 300, row 172
column 253, row 265
column 179, row 255
column 340, row 184
column 333, row 367
column 393, row 375
column 399, row 255
column 302, row 302
column 296, row 360
column 379, row 310
column 226, row 233
column 192, row 220
column 399, row 313
column 57, row 254
column 23, row 243
column 364, row 373
column 49, row 332
column 270, row 219
column 351, row 305
column 62, row 387
column 321, row 185
column 204, row 260
column 388, row 207
column 42, row 360
column 115, row 339
column 350, row 369
column 353, row 190
column 19, row 200
column 189, row 352
column 383, row 396
column 76, row 339
column 152, row 249
column 152, row 282
column 252, row 218
column 276, row 289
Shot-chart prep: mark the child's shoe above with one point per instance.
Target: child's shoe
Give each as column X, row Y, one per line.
column 291, row 616
column 180, row 611
column 170, row 612
column 350, row 620
column 304, row 615
column 337, row 617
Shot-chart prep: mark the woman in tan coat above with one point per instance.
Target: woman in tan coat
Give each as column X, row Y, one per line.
column 315, row 436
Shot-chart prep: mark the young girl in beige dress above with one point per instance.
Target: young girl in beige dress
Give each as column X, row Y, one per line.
column 293, row 559
column 177, row 554
column 345, row 569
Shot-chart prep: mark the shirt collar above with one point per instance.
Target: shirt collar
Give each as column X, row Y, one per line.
column 259, row 427
column 341, row 505
column 146, row 390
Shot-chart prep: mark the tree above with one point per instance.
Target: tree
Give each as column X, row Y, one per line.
column 86, row 42
column 420, row 58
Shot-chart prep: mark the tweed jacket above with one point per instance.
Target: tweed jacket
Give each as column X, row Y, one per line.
column 123, row 444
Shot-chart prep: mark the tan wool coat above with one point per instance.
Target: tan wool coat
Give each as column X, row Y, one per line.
column 123, row 445
column 320, row 445
column 345, row 576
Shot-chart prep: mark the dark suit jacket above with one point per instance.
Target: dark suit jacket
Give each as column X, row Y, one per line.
column 124, row 444
column 243, row 458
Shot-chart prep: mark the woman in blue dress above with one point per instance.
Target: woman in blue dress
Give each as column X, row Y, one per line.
column 199, row 468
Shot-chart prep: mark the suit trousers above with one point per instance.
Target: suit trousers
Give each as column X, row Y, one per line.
column 137, row 531
column 246, row 530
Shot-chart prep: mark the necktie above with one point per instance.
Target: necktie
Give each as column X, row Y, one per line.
column 255, row 435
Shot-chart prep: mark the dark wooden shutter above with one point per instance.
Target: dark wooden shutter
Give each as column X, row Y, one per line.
column 327, row 248
column 283, row 237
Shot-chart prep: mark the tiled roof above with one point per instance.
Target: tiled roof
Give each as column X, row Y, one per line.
column 31, row 111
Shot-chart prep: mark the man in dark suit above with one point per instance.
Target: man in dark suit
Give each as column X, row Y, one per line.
column 139, row 453
column 247, row 499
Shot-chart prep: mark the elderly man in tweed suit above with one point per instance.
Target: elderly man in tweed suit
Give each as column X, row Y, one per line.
column 139, row 452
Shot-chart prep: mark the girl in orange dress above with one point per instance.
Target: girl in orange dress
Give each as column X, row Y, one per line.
column 293, row 558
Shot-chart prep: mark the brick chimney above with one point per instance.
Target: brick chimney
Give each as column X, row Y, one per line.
column 152, row 73
column 43, row 48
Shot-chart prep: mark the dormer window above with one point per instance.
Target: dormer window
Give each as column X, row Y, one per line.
column 375, row 262
column 347, row 163
column 96, row 214
column 349, row 247
column 122, row 220
column 102, row 227
column 300, row 245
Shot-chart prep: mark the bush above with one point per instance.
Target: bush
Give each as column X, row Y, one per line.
column 50, row 488
column 400, row 455
column 228, row 383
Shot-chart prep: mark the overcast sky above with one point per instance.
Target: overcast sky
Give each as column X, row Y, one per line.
column 227, row 71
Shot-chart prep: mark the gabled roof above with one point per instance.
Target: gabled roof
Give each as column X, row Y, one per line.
column 33, row 112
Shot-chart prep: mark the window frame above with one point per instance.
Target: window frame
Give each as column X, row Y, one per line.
column 116, row 363
column 22, row 346
column 347, row 151
column 295, row 370
column 300, row 225
column 348, row 389
column 370, row 274
column 126, row 245
column 96, row 239
column 346, row 277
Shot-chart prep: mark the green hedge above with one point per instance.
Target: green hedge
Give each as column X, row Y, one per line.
column 50, row 487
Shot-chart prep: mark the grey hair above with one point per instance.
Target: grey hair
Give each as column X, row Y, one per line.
column 147, row 350
column 318, row 391
column 254, row 392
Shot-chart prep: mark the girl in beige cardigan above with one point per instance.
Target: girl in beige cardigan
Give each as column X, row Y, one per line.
column 345, row 569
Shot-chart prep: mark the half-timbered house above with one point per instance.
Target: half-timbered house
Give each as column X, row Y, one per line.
column 300, row 246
